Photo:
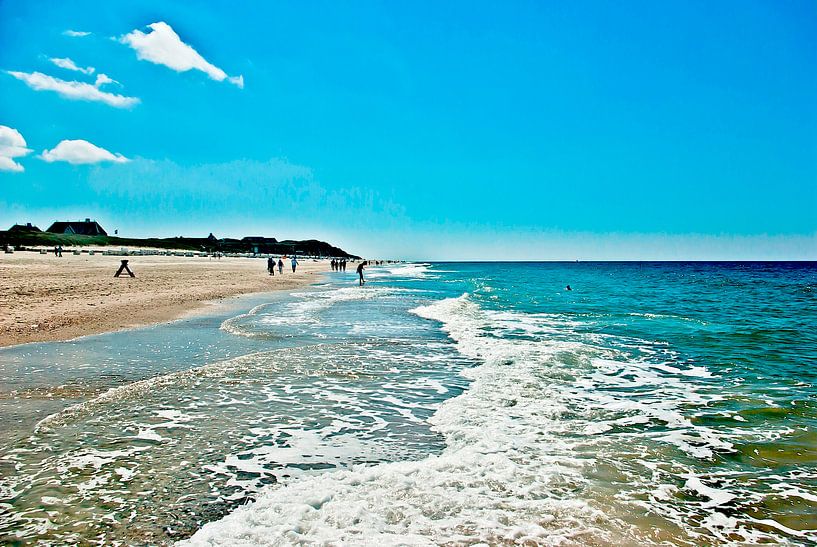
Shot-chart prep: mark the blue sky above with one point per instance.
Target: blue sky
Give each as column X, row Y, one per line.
column 421, row 130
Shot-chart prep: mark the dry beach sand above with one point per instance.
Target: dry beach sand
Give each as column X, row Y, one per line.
column 43, row 297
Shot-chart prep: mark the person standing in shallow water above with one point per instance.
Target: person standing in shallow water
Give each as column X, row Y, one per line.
column 294, row 263
column 360, row 273
column 281, row 266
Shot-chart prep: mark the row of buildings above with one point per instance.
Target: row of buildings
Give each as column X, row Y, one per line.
column 87, row 227
column 255, row 245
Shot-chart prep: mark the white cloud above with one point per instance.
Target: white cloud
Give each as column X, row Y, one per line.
column 76, row 33
column 237, row 80
column 73, row 90
column 163, row 46
column 79, row 151
column 102, row 79
column 68, row 64
column 12, row 145
column 8, row 164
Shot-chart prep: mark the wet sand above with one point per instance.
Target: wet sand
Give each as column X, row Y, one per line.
column 45, row 298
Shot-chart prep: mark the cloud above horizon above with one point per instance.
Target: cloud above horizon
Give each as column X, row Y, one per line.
column 102, row 79
column 73, row 90
column 69, row 64
column 81, row 152
column 12, row 145
column 75, row 33
column 162, row 46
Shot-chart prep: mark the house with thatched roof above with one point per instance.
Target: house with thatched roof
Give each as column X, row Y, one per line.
column 27, row 227
column 84, row 228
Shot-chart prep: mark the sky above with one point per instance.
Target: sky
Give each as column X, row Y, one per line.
column 420, row 130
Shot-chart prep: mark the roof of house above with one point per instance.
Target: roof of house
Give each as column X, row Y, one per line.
column 87, row 227
column 27, row 227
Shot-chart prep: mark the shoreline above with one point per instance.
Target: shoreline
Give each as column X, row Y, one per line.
column 59, row 299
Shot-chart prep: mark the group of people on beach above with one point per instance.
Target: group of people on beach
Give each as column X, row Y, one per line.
column 271, row 263
column 338, row 265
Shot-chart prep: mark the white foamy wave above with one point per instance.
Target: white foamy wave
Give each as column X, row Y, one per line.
column 232, row 324
column 305, row 310
column 414, row 270
column 214, row 436
column 638, row 404
column 522, row 445
column 504, row 476
column 441, row 500
column 497, row 481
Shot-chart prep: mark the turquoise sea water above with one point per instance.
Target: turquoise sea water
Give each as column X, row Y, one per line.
column 441, row 404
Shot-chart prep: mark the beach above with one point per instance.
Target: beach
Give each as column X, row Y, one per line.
column 47, row 298
column 548, row 274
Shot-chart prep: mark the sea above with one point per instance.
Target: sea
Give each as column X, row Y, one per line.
column 440, row 404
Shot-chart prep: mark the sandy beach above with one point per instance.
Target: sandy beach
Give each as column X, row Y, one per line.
column 47, row 298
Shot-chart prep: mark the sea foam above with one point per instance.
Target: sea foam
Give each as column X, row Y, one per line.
column 520, row 453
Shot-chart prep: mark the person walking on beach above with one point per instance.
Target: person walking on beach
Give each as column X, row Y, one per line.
column 360, row 272
column 294, row 263
column 271, row 266
column 281, row 266
column 343, row 264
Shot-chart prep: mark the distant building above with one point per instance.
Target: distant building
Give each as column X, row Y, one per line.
column 27, row 227
column 87, row 228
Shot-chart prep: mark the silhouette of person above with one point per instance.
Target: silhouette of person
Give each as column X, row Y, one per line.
column 360, row 268
column 271, row 266
column 294, row 263
column 280, row 266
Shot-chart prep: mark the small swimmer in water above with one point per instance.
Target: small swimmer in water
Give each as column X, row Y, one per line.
column 568, row 288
